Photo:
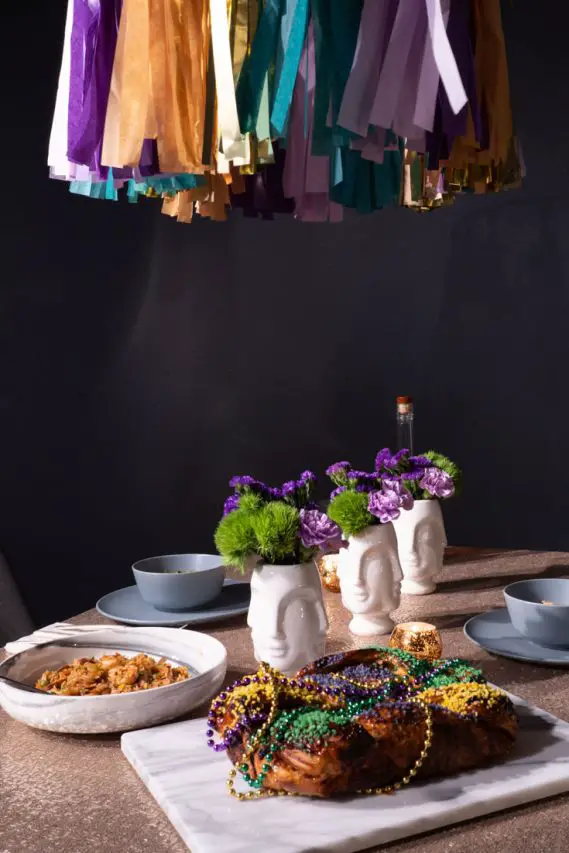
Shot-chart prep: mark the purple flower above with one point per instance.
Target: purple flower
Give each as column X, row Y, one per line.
column 420, row 461
column 288, row 488
column 274, row 493
column 317, row 530
column 413, row 475
column 382, row 457
column 338, row 468
column 231, row 504
column 363, row 475
column 438, row 483
column 395, row 490
column 385, row 460
column 383, row 507
column 243, row 481
column 399, row 456
column 337, row 492
column 304, row 488
column 388, row 503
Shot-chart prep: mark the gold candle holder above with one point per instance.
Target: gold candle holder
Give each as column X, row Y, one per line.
column 418, row 638
column 328, row 568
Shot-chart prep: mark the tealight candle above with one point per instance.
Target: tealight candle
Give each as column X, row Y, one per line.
column 328, row 568
column 419, row 638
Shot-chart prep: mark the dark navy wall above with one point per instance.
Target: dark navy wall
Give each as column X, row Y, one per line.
column 143, row 362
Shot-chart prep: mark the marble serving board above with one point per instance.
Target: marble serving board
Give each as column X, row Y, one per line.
column 188, row 781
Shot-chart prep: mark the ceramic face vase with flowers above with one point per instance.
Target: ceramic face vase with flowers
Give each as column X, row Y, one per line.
column 364, row 506
column 277, row 532
column 421, row 538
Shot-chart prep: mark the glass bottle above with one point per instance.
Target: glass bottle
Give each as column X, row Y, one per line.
column 404, row 421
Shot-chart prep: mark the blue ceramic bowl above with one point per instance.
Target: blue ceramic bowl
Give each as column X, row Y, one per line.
column 545, row 624
column 179, row 581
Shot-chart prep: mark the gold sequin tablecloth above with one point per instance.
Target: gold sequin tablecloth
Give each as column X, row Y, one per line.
column 73, row 794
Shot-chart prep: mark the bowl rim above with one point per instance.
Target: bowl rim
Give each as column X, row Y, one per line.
column 215, row 644
column 136, row 567
column 509, row 594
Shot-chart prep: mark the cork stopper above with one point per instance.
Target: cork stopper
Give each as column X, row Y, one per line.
column 404, row 405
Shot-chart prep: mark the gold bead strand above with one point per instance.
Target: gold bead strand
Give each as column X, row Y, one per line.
column 255, row 795
column 275, row 680
column 389, row 789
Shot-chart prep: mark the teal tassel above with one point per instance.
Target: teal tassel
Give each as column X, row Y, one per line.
column 256, row 67
column 289, row 68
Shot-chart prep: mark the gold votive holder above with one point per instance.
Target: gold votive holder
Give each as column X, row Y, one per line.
column 328, row 568
column 418, row 638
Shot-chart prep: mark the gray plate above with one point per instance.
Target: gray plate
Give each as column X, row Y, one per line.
column 494, row 632
column 126, row 605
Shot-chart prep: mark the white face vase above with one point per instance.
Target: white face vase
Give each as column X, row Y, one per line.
column 370, row 579
column 421, row 541
column 287, row 616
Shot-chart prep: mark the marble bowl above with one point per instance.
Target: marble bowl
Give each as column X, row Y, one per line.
column 179, row 581
column 205, row 657
column 539, row 609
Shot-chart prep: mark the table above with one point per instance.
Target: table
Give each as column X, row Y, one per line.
column 78, row 794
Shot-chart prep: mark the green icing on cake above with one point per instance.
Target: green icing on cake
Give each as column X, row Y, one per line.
column 315, row 725
column 415, row 666
column 458, row 671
